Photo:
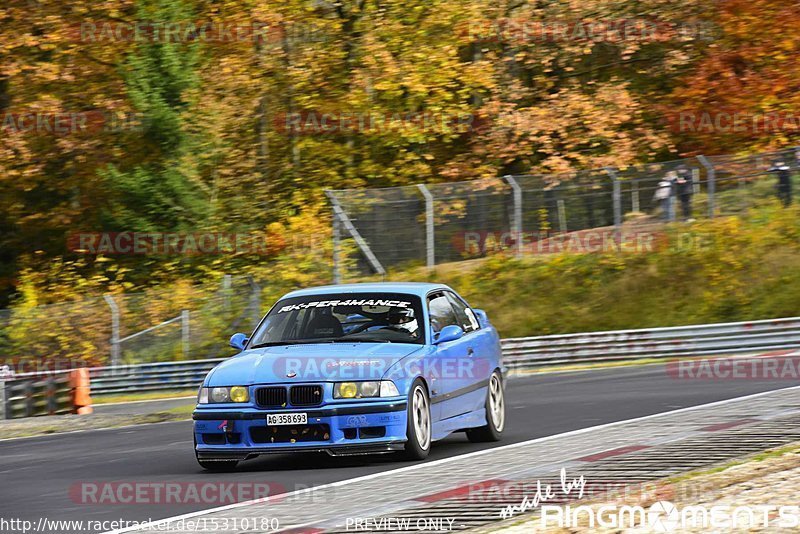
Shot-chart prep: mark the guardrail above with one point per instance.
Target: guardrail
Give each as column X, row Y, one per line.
column 518, row 354
column 672, row 342
column 150, row 376
column 41, row 395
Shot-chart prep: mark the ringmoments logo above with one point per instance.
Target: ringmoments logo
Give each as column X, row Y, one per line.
column 664, row 516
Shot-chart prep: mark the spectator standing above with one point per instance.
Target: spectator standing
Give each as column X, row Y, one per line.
column 782, row 172
column 665, row 192
column 684, row 187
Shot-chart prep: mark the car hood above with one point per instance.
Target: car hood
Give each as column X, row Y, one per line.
column 313, row 362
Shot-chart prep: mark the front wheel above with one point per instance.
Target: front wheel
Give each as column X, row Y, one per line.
column 495, row 413
column 418, row 426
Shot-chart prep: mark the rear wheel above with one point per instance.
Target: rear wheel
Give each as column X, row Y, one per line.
column 495, row 413
column 418, row 426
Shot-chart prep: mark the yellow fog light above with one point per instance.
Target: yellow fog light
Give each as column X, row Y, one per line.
column 239, row 394
column 346, row 390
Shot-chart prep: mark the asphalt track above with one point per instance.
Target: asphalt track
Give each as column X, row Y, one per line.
column 36, row 474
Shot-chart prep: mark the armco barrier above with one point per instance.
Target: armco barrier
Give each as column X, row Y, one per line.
column 518, row 354
column 672, row 342
column 150, row 376
column 40, row 395
column 523, row 353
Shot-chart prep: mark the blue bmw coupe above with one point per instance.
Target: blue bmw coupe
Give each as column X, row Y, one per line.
column 354, row 369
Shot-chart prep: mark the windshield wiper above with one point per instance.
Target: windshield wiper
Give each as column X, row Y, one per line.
column 278, row 343
column 359, row 340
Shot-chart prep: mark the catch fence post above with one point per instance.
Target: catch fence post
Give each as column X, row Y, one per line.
column 114, row 329
column 255, row 300
column 616, row 197
column 3, row 408
column 562, row 215
column 185, row 333
column 430, row 251
column 516, row 192
column 711, row 183
column 226, row 292
column 354, row 233
column 337, row 243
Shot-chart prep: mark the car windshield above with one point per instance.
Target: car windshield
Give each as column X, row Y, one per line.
column 344, row 318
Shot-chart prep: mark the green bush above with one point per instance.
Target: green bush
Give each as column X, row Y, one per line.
column 726, row 269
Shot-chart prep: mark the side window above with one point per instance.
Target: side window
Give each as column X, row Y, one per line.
column 441, row 312
column 466, row 319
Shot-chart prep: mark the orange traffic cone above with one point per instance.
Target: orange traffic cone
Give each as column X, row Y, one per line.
column 81, row 399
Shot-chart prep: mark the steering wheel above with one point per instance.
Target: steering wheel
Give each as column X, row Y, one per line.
column 393, row 327
column 361, row 328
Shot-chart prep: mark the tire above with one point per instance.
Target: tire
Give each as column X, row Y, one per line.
column 418, row 423
column 495, row 407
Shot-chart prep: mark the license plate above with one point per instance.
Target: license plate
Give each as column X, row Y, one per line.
column 277, row 419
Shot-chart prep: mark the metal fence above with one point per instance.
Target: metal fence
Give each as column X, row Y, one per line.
column 178, row 323
column 430, row 224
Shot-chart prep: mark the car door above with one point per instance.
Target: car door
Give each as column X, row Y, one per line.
column 451, row 358
column 480, row 348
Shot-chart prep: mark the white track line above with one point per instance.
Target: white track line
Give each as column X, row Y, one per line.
column 511, row 376
column 188, row 417
column 165, row 399
column 424, row 465
column 84, row 430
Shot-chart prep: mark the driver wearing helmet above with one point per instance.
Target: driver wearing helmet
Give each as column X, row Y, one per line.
column 402, row 319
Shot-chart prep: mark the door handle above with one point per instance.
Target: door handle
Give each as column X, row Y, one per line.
column 470, row 352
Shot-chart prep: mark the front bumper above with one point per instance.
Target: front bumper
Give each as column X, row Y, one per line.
column 341, row 429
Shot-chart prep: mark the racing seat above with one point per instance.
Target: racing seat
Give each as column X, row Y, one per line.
column 325, row 325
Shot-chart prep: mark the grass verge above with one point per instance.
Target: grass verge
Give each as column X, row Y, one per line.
column 54, row 424
column 134, row 397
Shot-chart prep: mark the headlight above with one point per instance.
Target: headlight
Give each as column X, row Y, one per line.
column 239, row 394
column 370, row 389
column 223, row 395
column 359, row 390
column 345, row 390
column 388, row 389
column 220, row 394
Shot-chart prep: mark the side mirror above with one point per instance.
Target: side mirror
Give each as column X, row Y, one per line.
column 239, row 340
column 450, row 332
column 483, row 319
